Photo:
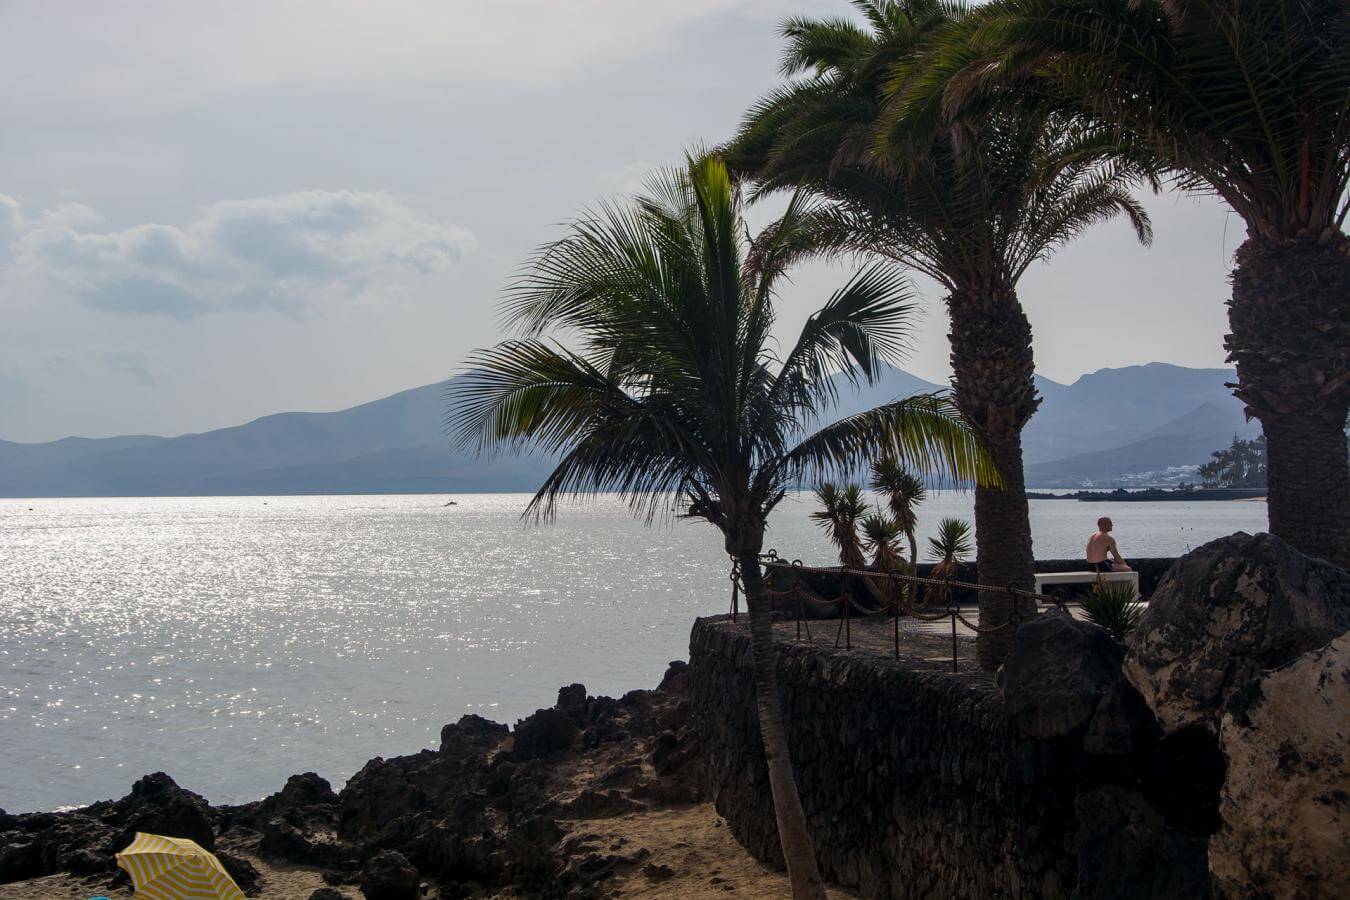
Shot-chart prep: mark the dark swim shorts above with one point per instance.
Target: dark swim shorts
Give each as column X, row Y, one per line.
column 1103, row 566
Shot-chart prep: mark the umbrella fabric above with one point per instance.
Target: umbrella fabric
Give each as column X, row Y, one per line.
column 169, row 868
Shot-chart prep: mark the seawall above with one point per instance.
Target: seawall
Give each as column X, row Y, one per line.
column 913, row 780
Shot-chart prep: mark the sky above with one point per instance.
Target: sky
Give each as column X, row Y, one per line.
column 213, row 211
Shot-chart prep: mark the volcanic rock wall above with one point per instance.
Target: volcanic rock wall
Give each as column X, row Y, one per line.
column 914, row 781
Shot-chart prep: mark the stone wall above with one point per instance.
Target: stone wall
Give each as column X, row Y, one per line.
column 914, row 782
column 1150, row 569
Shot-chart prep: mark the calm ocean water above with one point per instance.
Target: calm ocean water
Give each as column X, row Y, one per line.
column 232, row 641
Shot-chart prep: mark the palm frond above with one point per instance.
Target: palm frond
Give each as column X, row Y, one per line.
column 925, row 432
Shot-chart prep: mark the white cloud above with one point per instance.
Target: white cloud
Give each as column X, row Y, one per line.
column 11, row 225
column 287, row 253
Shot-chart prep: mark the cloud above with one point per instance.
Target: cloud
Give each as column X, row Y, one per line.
column 288, row 253
column 11, row 225
column 108, row 59
column 130, row 365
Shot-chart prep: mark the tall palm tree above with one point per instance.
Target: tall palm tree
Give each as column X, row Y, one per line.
column 671, row 385
column 973, row 209
column 1246, row 99
column 904, row 492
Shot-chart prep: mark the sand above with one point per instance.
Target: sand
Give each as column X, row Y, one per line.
column 692, row 841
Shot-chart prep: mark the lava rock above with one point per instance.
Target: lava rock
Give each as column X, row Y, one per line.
column 676, row 679
column 658, row 872
column 1285, row 803
column 157, row 805
column 1126, row 850
column 593, row 804
column 305, row 789
column 282, row 840
column 389, row 876
column 1056, row 674
column 244, row 873
column 472, row 734
column 572, row 700
column 1225, row 612
column 546, row 732
column 1122, row 723
column 327, row 893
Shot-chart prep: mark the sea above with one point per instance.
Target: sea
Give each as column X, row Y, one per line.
column 233, row 641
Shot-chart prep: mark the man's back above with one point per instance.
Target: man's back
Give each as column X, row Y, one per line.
column 1099, row 546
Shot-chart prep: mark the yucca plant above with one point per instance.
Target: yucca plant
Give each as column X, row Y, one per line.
column 671, row 383
column 841, row 511
column 881, row 535
column 951, row 546
column 973, row 210
column 904, row 492
column 1112, row 607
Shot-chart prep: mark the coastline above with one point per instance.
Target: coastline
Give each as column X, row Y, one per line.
column 591, row 791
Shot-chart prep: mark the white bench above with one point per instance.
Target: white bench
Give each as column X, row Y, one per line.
column 1047, row 579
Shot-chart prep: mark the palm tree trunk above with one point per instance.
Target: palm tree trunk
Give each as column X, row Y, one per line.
column 1290, row 341
column 798, row 851
column 992, row 384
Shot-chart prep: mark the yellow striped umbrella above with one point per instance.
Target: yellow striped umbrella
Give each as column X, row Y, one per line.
column 170, row 868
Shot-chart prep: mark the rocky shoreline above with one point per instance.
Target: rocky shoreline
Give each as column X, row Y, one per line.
column 493, row 811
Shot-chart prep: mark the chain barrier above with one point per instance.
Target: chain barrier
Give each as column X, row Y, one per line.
column 898, row 604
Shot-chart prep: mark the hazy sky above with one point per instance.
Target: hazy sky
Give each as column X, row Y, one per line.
column 211, row 211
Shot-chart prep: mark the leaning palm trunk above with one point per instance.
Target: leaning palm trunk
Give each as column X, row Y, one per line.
column 993, row 387
column 793, row 836
column 1290, row 315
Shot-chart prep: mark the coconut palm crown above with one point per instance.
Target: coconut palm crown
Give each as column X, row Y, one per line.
column 972, row 208
column 671, row 384
column 1245, row 99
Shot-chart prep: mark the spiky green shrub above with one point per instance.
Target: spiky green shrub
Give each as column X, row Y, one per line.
column 1112, row 607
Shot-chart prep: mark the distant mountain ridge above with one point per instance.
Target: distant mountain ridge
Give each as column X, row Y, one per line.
column 1106, row 425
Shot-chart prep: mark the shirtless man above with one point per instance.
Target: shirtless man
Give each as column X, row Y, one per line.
column 1100, row 545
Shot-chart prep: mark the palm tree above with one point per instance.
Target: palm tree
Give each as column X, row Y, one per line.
column 1246, row 99
column 840, row 511
column 904, row 492
column 973, row 209
column 670, row 386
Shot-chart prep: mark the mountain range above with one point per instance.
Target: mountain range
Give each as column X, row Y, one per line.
column 1134, row 425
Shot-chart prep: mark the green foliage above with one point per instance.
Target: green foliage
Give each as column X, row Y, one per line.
column 1243, row 98
column 972, row 208
column 670, row 381
column 841, row 511
column 953, row 543
column 1111, row 606
column 1242, row 465
column 904, row 491
column 880, row 535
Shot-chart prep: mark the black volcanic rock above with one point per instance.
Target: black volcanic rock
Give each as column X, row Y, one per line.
column 1056, row 674
column 546, row 732
column 472, row 734
column 573, row 701
column 389, row 876
column 475, row 817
